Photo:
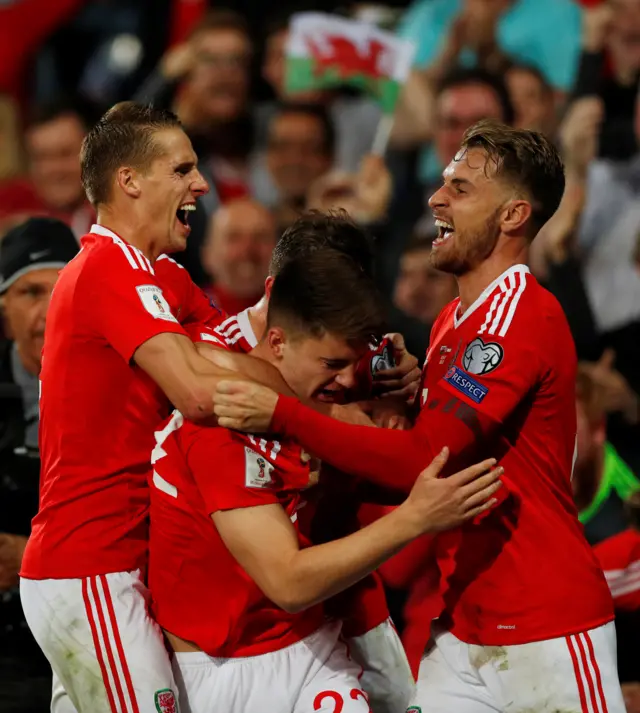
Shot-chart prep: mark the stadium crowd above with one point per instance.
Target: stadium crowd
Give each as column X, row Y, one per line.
column 567, row 68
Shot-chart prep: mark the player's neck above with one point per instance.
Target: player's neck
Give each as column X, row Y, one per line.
column 262, row 351
column 473, row 283
column 129, row 230
column 258, row 317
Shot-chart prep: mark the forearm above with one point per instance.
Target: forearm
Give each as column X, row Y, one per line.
column 318, row 573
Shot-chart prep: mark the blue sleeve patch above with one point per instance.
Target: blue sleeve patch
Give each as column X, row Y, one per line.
column 464, row 383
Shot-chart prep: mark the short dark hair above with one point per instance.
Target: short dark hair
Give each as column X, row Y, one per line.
column 527, row 159
column 315, row 111
column 123, row 136
column 326, row 292
column 460, row 76
column 315, row 230
column 221, row 19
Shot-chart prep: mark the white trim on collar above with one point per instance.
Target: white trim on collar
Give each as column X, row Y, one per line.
column 246, row 329
column 523, row 269
column 105, row 232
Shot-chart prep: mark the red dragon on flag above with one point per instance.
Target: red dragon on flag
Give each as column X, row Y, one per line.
column 341, row 54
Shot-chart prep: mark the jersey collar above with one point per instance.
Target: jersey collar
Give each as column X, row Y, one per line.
column 105, row 232
column 457, row 321
column 246, row 329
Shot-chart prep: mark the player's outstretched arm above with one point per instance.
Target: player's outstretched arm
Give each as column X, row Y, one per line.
column 264, row 542
column 189, row 379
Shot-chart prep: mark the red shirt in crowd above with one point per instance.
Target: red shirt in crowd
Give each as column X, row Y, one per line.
column 99, row 410
column 499, row 381
column 619, row 557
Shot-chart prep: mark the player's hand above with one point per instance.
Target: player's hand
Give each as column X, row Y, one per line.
column 579, row 134
column 11, row 552
column 403, row 380
column 244, row 405
column 631, row 694
column 436, row 504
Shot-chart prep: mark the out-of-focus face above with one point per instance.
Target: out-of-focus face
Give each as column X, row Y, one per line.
column 274, row 66
column 467, row 210
column 53, row 150
column 239, row 246
column 315, row 368
column 24, row 307
column 219, row 81
column 457, row 109
column 590, row 439
column 421, row 291
column 297, row 153
column 533, row 104
column 624, row 34
column 168, row 191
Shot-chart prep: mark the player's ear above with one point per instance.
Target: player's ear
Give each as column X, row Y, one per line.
column 277, row 340
column 268, row 285
column 128, row 181
column 515, row 216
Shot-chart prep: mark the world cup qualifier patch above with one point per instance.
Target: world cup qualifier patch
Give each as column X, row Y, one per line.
column 480, row 358
column 414, row 709
column 465, row 384
column 166, row 701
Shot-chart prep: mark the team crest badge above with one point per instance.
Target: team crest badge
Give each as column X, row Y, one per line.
column 480, row 358
column 414, row 709
column 166, row 701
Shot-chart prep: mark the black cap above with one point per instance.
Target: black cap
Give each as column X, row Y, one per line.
column 33, row 245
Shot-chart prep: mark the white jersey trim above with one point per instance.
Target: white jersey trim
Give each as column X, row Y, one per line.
column 511, row 285
column 237, row 327
column 245, row 327
column 135, row 257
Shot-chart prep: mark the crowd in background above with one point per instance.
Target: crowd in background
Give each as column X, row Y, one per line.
column 569, row 69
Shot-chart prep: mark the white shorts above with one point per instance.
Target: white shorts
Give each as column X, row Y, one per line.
column 577, row 674
column 386, row 673
column 106, row 652
column 312, row 675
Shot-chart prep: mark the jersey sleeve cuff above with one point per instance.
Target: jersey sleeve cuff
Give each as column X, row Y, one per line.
column 283, row 414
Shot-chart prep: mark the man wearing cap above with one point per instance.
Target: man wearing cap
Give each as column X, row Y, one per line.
column 31, row 256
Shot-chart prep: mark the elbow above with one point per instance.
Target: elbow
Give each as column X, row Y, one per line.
column 291, row 604
column 288, row 596
column 195, row 405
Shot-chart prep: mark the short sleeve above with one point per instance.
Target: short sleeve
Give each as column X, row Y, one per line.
column 229, row 473
column 127, row 305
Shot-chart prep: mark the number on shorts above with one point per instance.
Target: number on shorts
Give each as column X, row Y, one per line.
column 358, row 693
column 334, row 695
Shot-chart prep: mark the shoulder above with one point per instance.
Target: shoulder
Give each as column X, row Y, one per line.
column 166, row 268
column 106, row 257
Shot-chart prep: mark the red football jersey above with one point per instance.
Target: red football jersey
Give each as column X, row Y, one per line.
column 499, row 381
column 363, row 606
column 98, row 411
column 199, row 591
column 619, row 557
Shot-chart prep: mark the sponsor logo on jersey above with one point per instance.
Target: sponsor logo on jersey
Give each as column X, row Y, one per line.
column 480, row 358
column 466, row 384
column 257, row 470
column 166, row 701
column 154, row 302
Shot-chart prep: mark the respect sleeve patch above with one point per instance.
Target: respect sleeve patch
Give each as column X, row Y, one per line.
column 467, row 385
column 154, row 302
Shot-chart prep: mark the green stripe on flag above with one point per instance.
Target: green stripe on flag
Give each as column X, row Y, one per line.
column 303, row 74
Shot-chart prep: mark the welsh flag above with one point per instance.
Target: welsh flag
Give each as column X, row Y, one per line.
column 326, row 51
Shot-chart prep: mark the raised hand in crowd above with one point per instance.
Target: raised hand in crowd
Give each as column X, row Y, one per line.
column 579, row 135
column 596, row 22
column 616, row 394
column 178, row 62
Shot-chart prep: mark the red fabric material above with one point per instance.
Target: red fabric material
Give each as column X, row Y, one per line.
column 229, row 303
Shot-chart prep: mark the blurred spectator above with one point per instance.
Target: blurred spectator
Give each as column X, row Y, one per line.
column 53, row 139
column 10, row 139
column 300, row 149
column 421, row 291
column 532, row 98
column 30, row 257
column 237, row 252
column 609, row 69
column 542, row 33
column 355, row 117
column 602, row 481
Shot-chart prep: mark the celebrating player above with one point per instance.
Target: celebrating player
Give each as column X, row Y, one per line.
column 115, row 355
column 239, row 637
column 521, row 584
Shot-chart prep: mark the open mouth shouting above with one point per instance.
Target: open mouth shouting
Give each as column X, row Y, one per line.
column 183, row 214
column 445, row 231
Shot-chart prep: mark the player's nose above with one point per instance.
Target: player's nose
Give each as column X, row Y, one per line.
column 199, row 186
column 438, row 199
column 347, row 377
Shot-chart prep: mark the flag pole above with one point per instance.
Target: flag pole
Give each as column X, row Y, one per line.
column 383, row 133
